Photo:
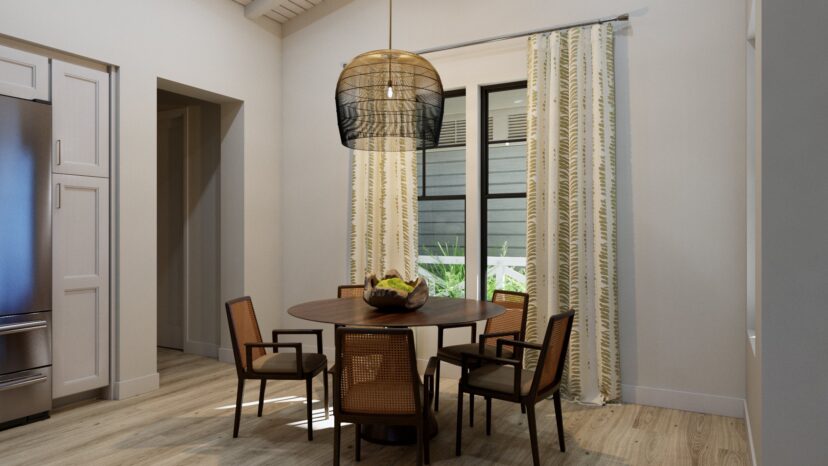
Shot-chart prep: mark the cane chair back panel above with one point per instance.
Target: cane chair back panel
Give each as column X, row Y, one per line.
column 244, row 328
column 513, row 320
column 377, row 372
column 350, row 291
column 550, row 367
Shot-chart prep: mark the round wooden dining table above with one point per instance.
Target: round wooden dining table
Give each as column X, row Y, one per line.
column 436, row 311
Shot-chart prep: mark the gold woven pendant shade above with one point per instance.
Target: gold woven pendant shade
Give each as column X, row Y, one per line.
column 389, row 100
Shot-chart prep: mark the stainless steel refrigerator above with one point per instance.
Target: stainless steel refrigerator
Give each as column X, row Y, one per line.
column 25, row 261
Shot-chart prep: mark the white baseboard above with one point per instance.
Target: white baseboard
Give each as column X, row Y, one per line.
column 750, row 436
column 226, row 355
column 685, row 401
column 128, row 388
column 208, row 350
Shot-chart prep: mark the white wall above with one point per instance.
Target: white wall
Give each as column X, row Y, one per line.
column 794, row 216
column 681, row 172
column 207, row 44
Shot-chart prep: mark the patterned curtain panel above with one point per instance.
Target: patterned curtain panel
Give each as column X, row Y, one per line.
column 383, row 214
column 571, row 230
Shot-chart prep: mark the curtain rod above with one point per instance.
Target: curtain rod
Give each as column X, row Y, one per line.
column 621, row 17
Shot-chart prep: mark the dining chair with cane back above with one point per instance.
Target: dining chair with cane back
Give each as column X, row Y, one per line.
column 505, row 378
column 376, row 382
column 254, row 362
column 347, row 292
column 350, row 291
column 510, row 324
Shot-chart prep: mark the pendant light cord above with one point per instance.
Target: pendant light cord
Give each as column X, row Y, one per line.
column 390, row 91
column 390, row 9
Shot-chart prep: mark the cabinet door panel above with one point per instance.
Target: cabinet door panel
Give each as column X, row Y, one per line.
column 80, row 120
column 80, row 313
column 23, row 75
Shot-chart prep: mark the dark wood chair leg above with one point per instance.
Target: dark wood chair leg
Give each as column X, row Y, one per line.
column 488, row 415
column 261, row 396
column 309, row 390
column 533, row 434
column 337, row 431
column 459, row 421
column 357, row 442
column 437, row 387
column 420, row 442
column 426, row 439
column 239, row 394
column 523, row 408
column 556, row 398
column 471, row 410
column 325, row 385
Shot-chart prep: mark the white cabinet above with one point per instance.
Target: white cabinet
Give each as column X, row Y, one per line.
column 80, row 120
column 80, row 268
column 23, row 75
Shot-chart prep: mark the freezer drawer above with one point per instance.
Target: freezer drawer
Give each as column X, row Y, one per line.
column 25, row 393
column 25, row 341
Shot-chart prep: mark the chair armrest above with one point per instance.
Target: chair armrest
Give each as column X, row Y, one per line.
column 248, row 348
column 312, row 331
column 465, row 360
column 440, row 328
column 516, row 344
column 428, row 377
column 515, row 335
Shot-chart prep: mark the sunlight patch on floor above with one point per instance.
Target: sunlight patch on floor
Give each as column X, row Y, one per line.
column 282, row 399
column 319, row 421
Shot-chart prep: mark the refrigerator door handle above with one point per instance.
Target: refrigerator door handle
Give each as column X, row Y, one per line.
column 59, row 152
column 22, row 328
column 59, row 195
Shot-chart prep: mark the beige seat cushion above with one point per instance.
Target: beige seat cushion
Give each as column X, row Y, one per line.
column 285, row 363
column 500, row 379
column 452, row 353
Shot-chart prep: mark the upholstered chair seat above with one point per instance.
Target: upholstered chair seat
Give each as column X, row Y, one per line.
column 501, row 379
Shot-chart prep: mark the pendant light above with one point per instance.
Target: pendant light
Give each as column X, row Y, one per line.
column 389, row 100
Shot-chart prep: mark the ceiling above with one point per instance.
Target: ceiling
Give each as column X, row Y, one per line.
column 283, row 11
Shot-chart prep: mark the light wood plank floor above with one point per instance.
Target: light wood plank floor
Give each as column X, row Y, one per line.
column 189, row 421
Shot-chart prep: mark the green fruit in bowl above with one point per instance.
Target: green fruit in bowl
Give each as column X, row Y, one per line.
column 395, row 284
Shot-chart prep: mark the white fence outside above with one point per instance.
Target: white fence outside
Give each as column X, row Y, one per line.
column 503, row 267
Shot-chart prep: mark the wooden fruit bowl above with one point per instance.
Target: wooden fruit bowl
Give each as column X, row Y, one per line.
column 393, row 300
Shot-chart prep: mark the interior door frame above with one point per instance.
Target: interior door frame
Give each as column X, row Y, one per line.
column 185, row 240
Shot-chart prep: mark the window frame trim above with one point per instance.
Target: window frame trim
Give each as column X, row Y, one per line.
column 484, row 174
column 447, row 197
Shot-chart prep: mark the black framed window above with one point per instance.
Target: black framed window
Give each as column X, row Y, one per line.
column 503, row 188
column 441, row 195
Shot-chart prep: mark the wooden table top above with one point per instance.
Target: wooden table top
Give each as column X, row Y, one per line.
column 436, row 311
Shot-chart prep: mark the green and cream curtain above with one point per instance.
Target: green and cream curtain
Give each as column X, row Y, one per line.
column 383, row 213
column 571, row 223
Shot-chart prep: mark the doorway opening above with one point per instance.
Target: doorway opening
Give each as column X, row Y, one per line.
column 189, row 224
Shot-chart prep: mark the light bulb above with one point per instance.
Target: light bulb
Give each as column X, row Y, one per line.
column 390, row 91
